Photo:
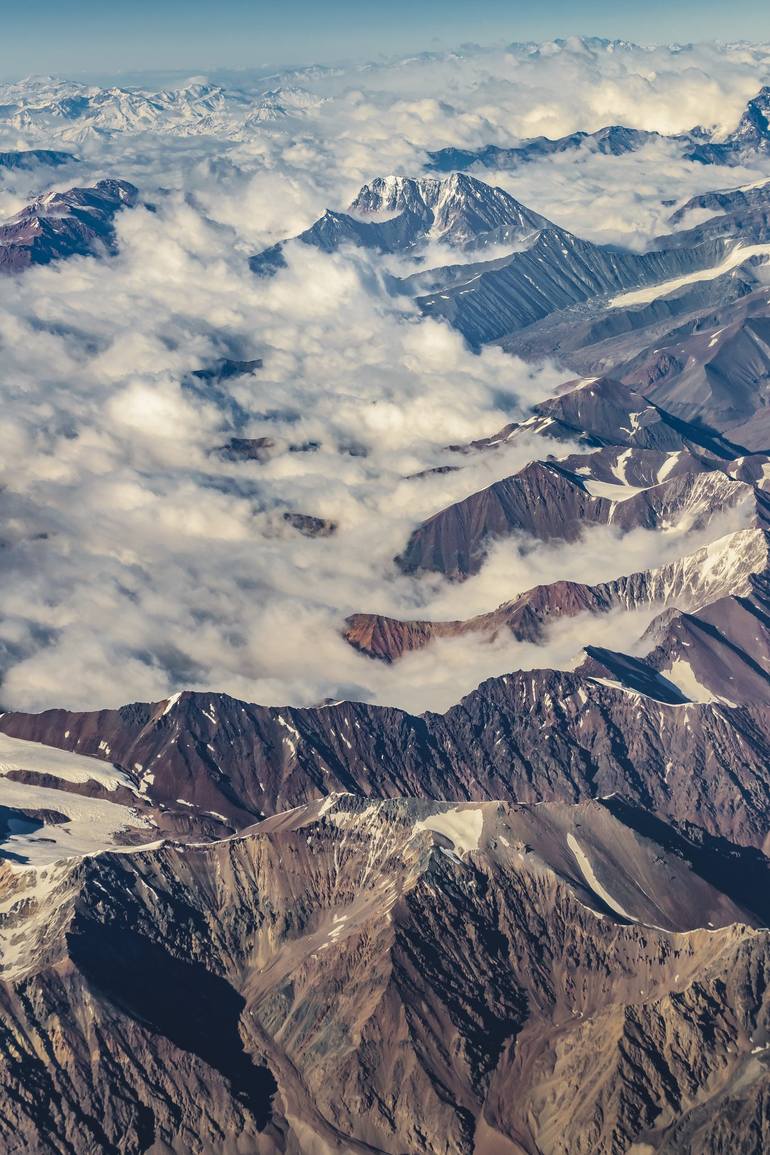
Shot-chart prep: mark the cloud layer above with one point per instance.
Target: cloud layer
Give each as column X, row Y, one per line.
column 136, row 560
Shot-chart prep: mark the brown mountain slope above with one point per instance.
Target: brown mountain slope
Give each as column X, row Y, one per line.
column 544, row 502
column 390, row 977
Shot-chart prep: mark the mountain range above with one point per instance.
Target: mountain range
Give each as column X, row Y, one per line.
column 535, row 923
column 44, row 107
column 749, row 138
column 549, row 279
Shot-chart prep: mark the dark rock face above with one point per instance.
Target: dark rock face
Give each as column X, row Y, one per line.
column 247, row 449
column 612, row 413
column 721, row 375
column 310, row 526
column 556, row 273
column 593, row 340
column 722, row 652
column 539, row 502
column 699, row 356
column 546, row 503
column 227, row 369
column 79, row 222
column 605, row 413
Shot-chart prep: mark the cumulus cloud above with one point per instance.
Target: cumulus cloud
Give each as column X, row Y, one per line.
column 136, row 559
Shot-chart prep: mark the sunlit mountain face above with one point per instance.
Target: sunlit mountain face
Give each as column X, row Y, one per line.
column 385, row 607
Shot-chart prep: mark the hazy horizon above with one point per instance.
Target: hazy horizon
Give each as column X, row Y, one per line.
column 174, row 38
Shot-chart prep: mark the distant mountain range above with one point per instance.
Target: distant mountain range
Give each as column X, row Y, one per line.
column 32, row 158
column 611, row 141
column 45, row 106
column 749, row 139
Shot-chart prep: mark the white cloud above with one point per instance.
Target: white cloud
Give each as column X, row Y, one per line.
column 159, row 557
column 135, row 561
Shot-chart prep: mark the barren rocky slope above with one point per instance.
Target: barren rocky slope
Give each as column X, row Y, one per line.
column 378, row 976
column 529, row 736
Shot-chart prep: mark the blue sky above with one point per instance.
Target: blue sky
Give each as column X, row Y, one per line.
column 103, row 36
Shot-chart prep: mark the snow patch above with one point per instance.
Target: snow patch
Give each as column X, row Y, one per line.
column 92, row 824
column 612, row 491
column 462, row 827
column 683, row 676
column 593, row 882
column 171, row 703
column 19, row 754
column 736, row 257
